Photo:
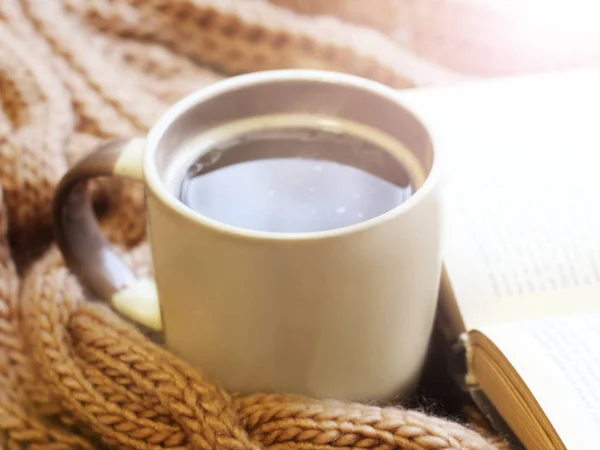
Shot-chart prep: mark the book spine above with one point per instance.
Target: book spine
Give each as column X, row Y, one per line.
column 461, row 354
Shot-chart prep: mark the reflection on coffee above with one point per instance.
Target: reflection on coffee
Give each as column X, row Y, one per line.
column 295, row 180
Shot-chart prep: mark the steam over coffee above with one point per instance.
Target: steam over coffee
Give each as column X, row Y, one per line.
column 295, row 180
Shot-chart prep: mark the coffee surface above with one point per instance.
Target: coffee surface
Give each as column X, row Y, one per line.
column 294, row 181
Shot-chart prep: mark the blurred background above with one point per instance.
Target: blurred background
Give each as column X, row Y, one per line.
column 480, row 37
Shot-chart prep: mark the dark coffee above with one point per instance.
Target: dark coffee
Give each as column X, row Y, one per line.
column 295, row 180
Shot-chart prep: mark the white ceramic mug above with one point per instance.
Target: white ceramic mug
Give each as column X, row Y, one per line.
column 344, row 313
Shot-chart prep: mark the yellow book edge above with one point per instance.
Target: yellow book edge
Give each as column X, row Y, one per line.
column 499, row 391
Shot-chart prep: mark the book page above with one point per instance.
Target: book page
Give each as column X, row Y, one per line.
column 559, row 361
column 522, row 194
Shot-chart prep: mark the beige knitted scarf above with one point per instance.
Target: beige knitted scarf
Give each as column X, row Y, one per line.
column 72, row 373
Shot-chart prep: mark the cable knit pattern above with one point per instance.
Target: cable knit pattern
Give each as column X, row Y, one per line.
column 74, row 375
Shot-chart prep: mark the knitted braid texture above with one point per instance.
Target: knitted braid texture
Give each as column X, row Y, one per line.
column 73, row 375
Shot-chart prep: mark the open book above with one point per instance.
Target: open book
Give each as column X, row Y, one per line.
column 521, row 285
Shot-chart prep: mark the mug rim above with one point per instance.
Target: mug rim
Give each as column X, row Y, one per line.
column 179, row 108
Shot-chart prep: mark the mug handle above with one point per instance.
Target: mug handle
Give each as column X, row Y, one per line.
column 86, row 250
